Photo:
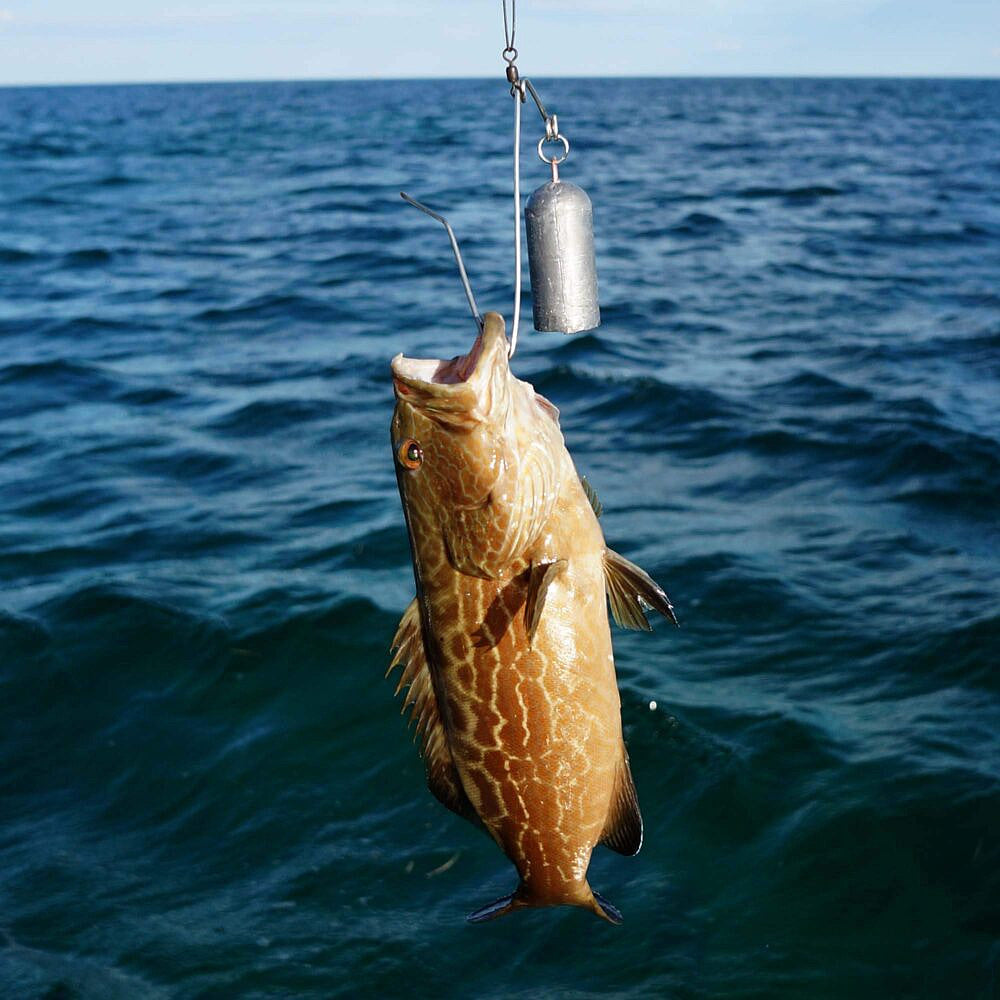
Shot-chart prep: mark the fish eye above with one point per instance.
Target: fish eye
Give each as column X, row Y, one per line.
column 410, row 454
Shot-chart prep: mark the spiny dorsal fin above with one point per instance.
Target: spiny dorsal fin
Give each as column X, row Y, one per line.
column 629, row 588
column 442, row 776
column 595, row 502
column 547, row 407
column 623, row 829
column 542, row 574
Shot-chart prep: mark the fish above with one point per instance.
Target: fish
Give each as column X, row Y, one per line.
column 505, row 651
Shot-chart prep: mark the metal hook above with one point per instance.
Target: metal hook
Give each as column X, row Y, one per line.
column 458, row 254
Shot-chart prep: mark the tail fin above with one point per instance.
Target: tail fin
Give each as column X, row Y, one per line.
column 603, row 908
column 496, row 909
column 519, row 899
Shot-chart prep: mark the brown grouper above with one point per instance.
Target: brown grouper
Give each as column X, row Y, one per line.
column 506, row 648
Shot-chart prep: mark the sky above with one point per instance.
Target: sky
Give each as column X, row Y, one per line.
column 96, row 41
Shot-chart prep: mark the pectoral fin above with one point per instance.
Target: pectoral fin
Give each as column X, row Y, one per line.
column 442, row 775
column 542, row 575
column 629, row 589
column 623, row 829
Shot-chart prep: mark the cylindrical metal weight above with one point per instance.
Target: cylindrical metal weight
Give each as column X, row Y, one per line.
column 559, row 222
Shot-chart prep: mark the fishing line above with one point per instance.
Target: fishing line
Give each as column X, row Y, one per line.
column 558, row 222
column 516, row 321
column 510, row 53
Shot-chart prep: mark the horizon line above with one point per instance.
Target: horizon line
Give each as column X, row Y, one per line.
column 494, row 76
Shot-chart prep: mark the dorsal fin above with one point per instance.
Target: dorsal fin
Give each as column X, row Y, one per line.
column 623, row 828
column 541, row 576
column 549, row 408
column 442, row 775
column 629, row 588
column 595, row 503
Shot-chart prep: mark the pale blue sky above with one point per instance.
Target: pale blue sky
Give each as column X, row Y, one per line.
column 56, row 41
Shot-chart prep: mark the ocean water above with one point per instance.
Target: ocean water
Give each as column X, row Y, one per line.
column 790, row 413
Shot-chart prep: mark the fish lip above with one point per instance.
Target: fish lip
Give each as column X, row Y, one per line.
column 440, row 378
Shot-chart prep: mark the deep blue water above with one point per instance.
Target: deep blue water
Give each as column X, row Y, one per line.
column 790, row 413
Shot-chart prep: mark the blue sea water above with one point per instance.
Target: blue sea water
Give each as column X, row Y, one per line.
column 790, row 413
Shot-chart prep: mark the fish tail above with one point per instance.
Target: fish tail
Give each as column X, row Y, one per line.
column 582, row 895
column 605, row 909
column 499, row 907
column 587, row 898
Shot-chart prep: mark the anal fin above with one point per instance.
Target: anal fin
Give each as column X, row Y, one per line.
column 623, row 828
column 629, row 588
column 442, row 775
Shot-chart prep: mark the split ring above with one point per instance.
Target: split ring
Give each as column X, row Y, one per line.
column 556, row 138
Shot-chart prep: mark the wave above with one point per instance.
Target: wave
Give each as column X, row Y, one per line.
column 42, row 148
column 267, row 416
column 811, row 389
column 148, row 395
column 959, row 653
column 330, row 513
column 53, row 975
column 43, row 385
column 884, row 449
column 894, row 283
column 631, row 404
column 9, row 255
column 698, row 224
column 375, row 549
column 287, row 307
column 661, row 409
column 189, row 465
column 87, row 258
column 22, row 637
column 45, row 200
column 682, row 196
column 84, row 326
column 737, row 592
column 807, row 192
column 378, row 266
column 976, row 349
column 68, row 500
column 117, row 180
column 585, row 347
column 923, row 235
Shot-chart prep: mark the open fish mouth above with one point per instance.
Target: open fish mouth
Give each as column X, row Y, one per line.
column 424, row 380
column 435, row 371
